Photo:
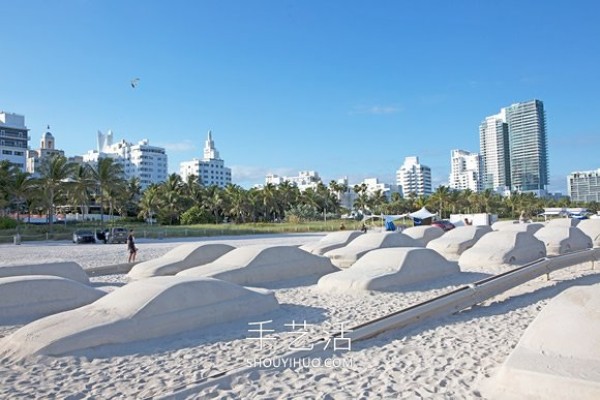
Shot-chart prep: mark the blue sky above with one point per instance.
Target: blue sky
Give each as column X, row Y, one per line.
column 346, row 88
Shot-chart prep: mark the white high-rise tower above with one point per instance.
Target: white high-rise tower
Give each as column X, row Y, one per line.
column 493, row 146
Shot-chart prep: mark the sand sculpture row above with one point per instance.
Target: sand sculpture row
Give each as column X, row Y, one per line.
column 209, row 276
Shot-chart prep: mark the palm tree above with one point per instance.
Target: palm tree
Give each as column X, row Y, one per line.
column 131, row 196
column 214, row 201
column 268, row 200
column 149, row 203
column 109, row 180
column 237, row 201
column 287, row 195
column 171, row 199
column 21, row 189
column 7, row 174
column 362, row 199
column 376, row 201
column 441, row 197
column 54, row 174
column 82, row 187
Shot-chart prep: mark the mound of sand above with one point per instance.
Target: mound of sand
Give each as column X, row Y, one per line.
column 499, row 250
column 68, row 269
column 591, row 227
column 563, row 239
column 530, row 227
column 558, row 356
column 346, row 256
column 27, row 297
column 144, row 309
column 182, row 257
column 500, row 225
column 423, row 234
column 565, row 222
column 332, row 241
column 454, row 242
column 260, row 264
column 384, row 268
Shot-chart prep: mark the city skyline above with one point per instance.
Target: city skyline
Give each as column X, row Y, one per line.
column 339, row 88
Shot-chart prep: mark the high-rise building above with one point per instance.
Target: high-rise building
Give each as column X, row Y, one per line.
column 211, row 170
column 584, row 185
column 514, row 149
column 14, row 139
column 528, row 147
column 413, row 177
column 465, row 171
column 47, row 149
column 493, row 147
column 143, row 161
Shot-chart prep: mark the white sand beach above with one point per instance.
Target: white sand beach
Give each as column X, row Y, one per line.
column 452, row 357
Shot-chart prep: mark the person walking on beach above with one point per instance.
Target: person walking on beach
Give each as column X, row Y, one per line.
column 131, row 246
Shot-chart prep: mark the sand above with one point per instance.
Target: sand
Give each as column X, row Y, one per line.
column 450, row 357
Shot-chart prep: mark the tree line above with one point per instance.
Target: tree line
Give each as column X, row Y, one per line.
column 102, row 188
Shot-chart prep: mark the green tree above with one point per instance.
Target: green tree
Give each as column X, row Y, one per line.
column 54, row 175
column 109, row 179
column 82, row 187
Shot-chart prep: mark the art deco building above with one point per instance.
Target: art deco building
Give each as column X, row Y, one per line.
column 413, row 177
column 143, row 161
column 47, row 149
column 211, row 170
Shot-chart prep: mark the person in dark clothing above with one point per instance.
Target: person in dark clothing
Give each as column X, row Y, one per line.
column 131, row 246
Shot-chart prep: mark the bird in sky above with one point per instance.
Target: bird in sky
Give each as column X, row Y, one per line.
column 134, row 82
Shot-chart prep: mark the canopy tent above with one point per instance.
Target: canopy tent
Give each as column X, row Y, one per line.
column 422, row 217
column 423, row 213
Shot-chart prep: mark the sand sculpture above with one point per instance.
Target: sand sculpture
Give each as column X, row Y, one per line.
column 332, row 241
column 68, row 269
column 499, row 250
column 423, row 234
column 563, row 239
column 591, row 227
column 259, row 264
column 454, row 242
column 565, row 222
column 346, row 256
column 182, row 257
column 558, row 356
column 530, row 227
column 384, row 268
column 27, row 297
column 144, row 309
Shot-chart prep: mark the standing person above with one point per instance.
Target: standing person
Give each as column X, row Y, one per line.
column 131, row 246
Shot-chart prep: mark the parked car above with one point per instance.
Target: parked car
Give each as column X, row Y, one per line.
column 81, row 236
column 113, row 235
column 443, row 224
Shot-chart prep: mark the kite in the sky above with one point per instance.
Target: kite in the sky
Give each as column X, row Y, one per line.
column 134, row 82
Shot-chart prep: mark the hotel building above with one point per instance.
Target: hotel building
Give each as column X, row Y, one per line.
column 211, row 170
column 14, row 139
column 413, row 177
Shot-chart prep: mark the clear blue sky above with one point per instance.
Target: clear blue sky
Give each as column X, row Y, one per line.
column 346, row 88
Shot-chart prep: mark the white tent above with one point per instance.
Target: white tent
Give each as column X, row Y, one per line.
column 423, row 213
